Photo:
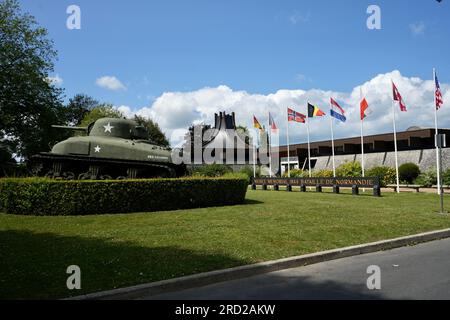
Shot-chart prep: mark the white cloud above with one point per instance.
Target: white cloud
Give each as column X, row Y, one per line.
column 298, row 17
column 110, row 83
column 176, row 111
column 56, row 80
column 417, row 28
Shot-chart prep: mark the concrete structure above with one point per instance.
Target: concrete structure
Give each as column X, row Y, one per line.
column 415, row 145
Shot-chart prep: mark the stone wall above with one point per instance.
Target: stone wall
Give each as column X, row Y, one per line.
column 425, row 159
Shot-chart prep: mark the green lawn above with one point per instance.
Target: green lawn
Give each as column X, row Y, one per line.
column 122, row 250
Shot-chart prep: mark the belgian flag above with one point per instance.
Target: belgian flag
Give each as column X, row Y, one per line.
column 256, row 124
column 314, row 111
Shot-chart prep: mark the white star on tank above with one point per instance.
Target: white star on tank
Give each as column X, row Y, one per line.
column 97, row 149
column 108, row 127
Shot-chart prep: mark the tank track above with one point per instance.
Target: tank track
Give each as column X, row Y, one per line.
column 66, row 167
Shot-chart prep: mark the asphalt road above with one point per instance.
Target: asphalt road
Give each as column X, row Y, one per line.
column 420, row 272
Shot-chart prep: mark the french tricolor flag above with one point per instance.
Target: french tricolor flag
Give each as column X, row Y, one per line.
column 337, row 111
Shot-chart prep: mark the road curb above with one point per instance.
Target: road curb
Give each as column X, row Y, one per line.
column 207, row 278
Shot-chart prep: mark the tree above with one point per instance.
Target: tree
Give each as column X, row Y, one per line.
column 155, row 133
column 29, row 102
column 78, row 107
column 101, row 111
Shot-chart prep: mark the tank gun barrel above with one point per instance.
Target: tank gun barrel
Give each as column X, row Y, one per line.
column 84, row 129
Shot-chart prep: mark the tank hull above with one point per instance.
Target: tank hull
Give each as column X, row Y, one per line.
column 76, row 167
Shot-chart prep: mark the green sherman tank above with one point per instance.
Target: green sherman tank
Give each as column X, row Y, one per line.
column 111, row 149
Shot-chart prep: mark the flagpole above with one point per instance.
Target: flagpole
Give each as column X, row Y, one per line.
column 309, row 147
column 395, row 145
column 438, row 165
column 332, row 142
column 362, row 140
column 254, row 159
column 288, row 146
column 270, row 147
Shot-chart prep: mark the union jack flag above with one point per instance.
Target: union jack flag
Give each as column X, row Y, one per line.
column 439, row 99
column 294, row 116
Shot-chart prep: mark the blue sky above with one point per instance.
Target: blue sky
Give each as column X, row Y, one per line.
column 259, row 47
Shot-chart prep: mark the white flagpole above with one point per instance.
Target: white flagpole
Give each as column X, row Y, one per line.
column 395, row 144
column 362, row 139
column 270, row 147
column 254, row 158
column 289, row 147
column 309, row 145
column 438, row 165
column 332, row 141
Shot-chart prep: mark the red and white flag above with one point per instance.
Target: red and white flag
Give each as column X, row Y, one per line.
column 364, row 109
column 398, row 97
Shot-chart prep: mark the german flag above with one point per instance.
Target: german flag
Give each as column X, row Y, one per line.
column 256, row 124
column 314, row 111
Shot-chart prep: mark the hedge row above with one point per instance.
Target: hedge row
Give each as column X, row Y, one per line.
column 50, row 197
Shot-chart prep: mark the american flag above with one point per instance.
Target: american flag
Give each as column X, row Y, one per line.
column 439, row 99
column 294, row 116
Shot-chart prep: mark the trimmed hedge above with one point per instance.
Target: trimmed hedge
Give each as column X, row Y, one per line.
column 34, row 196
column 408, row 172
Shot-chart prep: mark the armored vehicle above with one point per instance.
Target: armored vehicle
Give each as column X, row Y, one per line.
column 110, row 149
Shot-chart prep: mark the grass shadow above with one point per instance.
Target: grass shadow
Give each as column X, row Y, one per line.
column 33, row 265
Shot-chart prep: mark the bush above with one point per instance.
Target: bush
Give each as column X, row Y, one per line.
column 248, row 171
column 212, row 170
column 427, row 179
column 445, row 177
column 408, row 172
column 34, row 196
column 296, row 173
column 323, row 174
column 387, row 175
column 349, row 170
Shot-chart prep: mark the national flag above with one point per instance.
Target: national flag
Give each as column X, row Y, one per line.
column 256, row 124
column 398, row 97
column 438, row 93
column 294, row 116
column 340, row 113
column 272, row 124
column 314, row 111
column 364, row 109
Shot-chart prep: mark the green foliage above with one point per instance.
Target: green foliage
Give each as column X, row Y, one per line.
column 212, row 170
column 155, row 133
column 29, row 102
column 323, row 174
column 248, row 171
column 78, row 107
column 446, row 177
column 296, row 173
column 101, row 111
column 349, row 170
column 33, row 196
column 427, row 179
column 387, row 175
column 408, row 172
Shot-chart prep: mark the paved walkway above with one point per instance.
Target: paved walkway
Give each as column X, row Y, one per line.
column 420, row 272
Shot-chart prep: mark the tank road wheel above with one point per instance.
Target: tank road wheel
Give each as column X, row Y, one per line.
column 36, row 169
column 68, row 175
column 121, row 178
column 105, row 177
column 84, row 176
column 50, row 175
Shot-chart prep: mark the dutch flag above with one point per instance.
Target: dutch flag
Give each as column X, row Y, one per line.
column 337, row 112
